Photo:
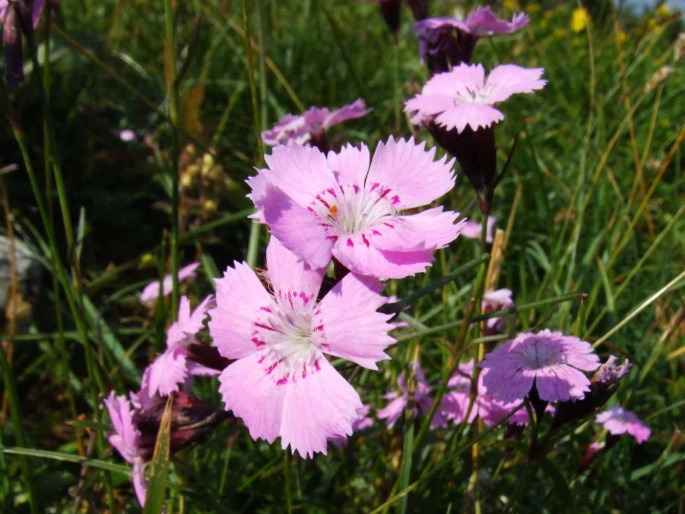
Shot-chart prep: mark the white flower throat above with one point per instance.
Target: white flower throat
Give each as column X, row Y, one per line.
column 285, row 332
column 351, row 209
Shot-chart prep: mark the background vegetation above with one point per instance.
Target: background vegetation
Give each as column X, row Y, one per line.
column 593, row 202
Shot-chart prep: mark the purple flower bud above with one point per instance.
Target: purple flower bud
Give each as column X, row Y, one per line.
column 12, row 46
column 447, row 42
column 603, row 385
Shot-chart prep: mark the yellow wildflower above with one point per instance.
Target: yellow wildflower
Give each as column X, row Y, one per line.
column 581, row 18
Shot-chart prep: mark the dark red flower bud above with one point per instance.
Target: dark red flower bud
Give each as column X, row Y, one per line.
column 475, row 151
column 12, row 51
column 390, row 10
column 191, row 420
column 419, row 8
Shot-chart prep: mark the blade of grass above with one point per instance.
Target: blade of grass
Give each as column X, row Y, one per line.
column 673, row 284
column 172, row 107
column 67, row 457
column 159, row 471
column 19, row 435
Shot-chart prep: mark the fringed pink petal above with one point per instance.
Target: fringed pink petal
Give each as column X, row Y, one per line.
column 126, row 437
column 356, row 109
column 350, row 165
column 151, row 291
column 258, row 186
column 427, row 230
column 188, row 324
column 139, row 480
column 505, row 386
column 294, row 282
column 240, row 300
column 483, row 22
column 168, row 371
column 392, row 412
column 317, row 406
column 462, row 80
column 426, row 107
column 561, row 383
column 509, row 79
column 301, row 172
column 249, row 388
column 475, row 115
column 357, row 254
column 413, row 175
column 346, row 324
column 290, row 127
column 297, row 228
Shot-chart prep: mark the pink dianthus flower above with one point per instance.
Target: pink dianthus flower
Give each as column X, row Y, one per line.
column 281, row 383
column 494, row 301
column 172, row 367
column 311, row 126
column 617, row 421
column 550, row 361
column 422, row 401
column 151, row 291
column 464, row 98
column 350, row 207
column 455, row 404
column 127, row 440
column 474, row 229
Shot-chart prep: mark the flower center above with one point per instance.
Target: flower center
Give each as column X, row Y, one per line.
column 351, row 209
column 479, row 95
column 285, row 333
column 539, row 354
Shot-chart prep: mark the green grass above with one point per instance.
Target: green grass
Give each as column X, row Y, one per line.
column 593, row 198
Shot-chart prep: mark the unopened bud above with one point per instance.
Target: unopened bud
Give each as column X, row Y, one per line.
column 603, row 385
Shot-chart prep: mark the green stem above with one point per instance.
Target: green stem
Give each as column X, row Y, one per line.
column 57, row 265
column 472, row 308
column 408, row 444
column 172, row 103
column 436, row 284
column 286, row 474
column 518, row 308
column 397, row 99
column 258, row 120
column 673, row 284
column 15, row 414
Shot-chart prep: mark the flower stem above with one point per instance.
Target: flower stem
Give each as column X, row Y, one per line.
column 172, row 105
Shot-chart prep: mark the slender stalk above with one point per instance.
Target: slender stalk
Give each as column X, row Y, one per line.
column 512, row 310
column 255, row 229
column 15, row 414
column 12, row 304
column 408, row 444
column 472, row 309
column 71, row 288
column 436, row 284
column 48, row 159
column 288, row 486
column 56, row 260
column 50, row 142
column 673, row 284
column 397, row 93
column 172, row 105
